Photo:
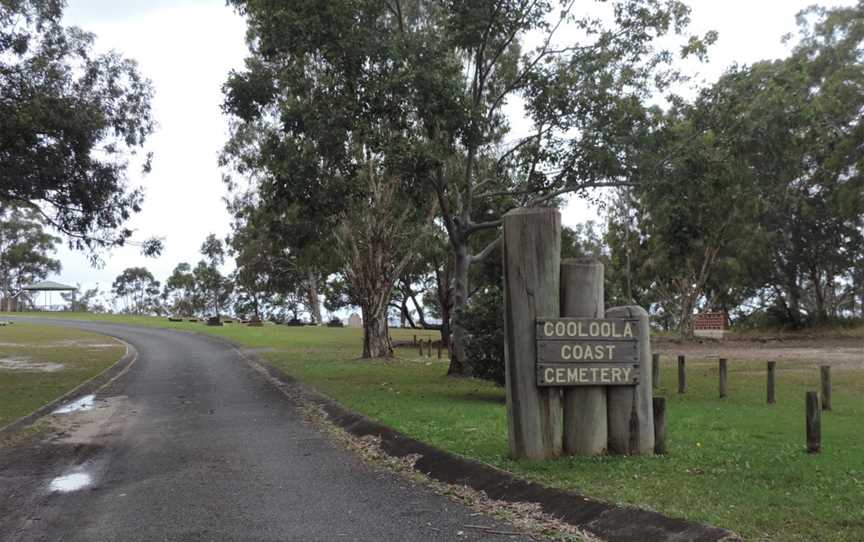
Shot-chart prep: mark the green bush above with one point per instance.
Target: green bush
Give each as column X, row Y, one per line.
column 484, row 324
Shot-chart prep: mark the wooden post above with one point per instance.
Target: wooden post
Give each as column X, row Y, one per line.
column 630, row 409
column 772, row 371
column 421, row 347
column 659, row 425
column 532, row 267
column 440, row 344
column 429, row 349
column 655, row 370
column 415, row 340
column 814, row 423
column 585, row 416
column 682, row 375
column 825, row 371
column 724, row 376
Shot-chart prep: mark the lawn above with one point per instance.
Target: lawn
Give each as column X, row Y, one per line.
column 41, row 363
column 737, row 463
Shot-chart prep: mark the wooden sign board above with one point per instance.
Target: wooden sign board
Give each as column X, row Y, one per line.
column 587, row 352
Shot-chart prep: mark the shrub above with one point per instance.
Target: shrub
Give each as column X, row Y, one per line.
column 335, row 322
column 484, row 326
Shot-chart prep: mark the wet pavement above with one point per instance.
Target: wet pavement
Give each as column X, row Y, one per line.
column 194, row 444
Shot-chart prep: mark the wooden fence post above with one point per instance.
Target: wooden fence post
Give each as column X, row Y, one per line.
column 532, row 267
column 440, row 345
column 825, row 372
column 814, row 423
column 421, row 347
column 585, row 417
column 772, row 370
column 659, row 425
column 655, row 370
column 724, row 376
column 682, row 375
column 415, row 340
column 630, row 409
column 429, row 349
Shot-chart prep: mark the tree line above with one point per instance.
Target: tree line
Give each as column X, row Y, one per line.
column 372, row 154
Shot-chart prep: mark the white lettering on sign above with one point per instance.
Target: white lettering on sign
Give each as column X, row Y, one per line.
column 585, row 352
column 594, row 329
column 563, row 376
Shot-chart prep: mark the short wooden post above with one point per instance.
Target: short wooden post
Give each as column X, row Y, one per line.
column 682, row 375
column 655, row 370
column 814, row 423
column 724, row 376
column 585, row 417
column 659, row 425
column 415, row 340
column 420, row 345
column 440, row 345
column 825, row 371
column 429, row 349
column 532, row 267
column 630, row 409
column 772, row 370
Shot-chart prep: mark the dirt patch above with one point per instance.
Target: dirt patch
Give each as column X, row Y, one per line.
column 27, row 365
column 93, row 426
column 847, row 353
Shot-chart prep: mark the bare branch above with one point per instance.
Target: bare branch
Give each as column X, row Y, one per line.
column 480, row 256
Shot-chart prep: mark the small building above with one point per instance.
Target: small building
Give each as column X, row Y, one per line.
column 713, row 325
column 355, row 320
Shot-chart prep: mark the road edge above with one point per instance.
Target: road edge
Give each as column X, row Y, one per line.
column 611, row 522
column 90, row 386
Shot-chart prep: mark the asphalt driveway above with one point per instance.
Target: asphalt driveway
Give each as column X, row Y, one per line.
column 194, row 444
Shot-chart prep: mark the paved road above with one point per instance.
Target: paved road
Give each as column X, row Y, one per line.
column 193, row 444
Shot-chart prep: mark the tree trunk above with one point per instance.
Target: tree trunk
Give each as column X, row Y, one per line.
column 459, row 365
column 314, row 300
column 376, row 335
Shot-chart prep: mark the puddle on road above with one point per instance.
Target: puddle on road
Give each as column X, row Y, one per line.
column 70, row 482
column 85, row 403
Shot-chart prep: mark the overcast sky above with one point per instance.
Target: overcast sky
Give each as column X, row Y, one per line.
column 187, row 47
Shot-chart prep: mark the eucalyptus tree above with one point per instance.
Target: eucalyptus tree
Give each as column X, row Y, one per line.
column 421, row 87
column 138, row 289
column 70, row 120
column 25, row 249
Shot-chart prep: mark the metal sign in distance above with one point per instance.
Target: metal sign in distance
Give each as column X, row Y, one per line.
column 587, row 352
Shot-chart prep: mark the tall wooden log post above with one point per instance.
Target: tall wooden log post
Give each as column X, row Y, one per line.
column 724, row 378
column 532, row 266
column 585, row 417
column 630, row 408
column 682, row 375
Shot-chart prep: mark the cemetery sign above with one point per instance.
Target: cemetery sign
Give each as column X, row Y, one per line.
column 587, row 352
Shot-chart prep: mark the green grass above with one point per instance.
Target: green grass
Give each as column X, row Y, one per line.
column 82, row 356
column 737, row 463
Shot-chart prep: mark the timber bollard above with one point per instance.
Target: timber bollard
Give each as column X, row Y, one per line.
column 772, row 370
column 421, row 348
column 630, row 409
column 440, row 345
column 532, row 268
column 814, row 423
column 659, row 425
column 682, row 375
column 585, row 413
column 825, row 372
column 415, row 340
column 429, row 349
column 655, row 370
column 724, row 379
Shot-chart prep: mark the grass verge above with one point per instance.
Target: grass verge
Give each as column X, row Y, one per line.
column 736, row 463
column 40, row 363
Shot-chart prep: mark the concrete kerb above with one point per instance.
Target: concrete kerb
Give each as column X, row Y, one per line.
column 91, row 386
column 610, row 522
